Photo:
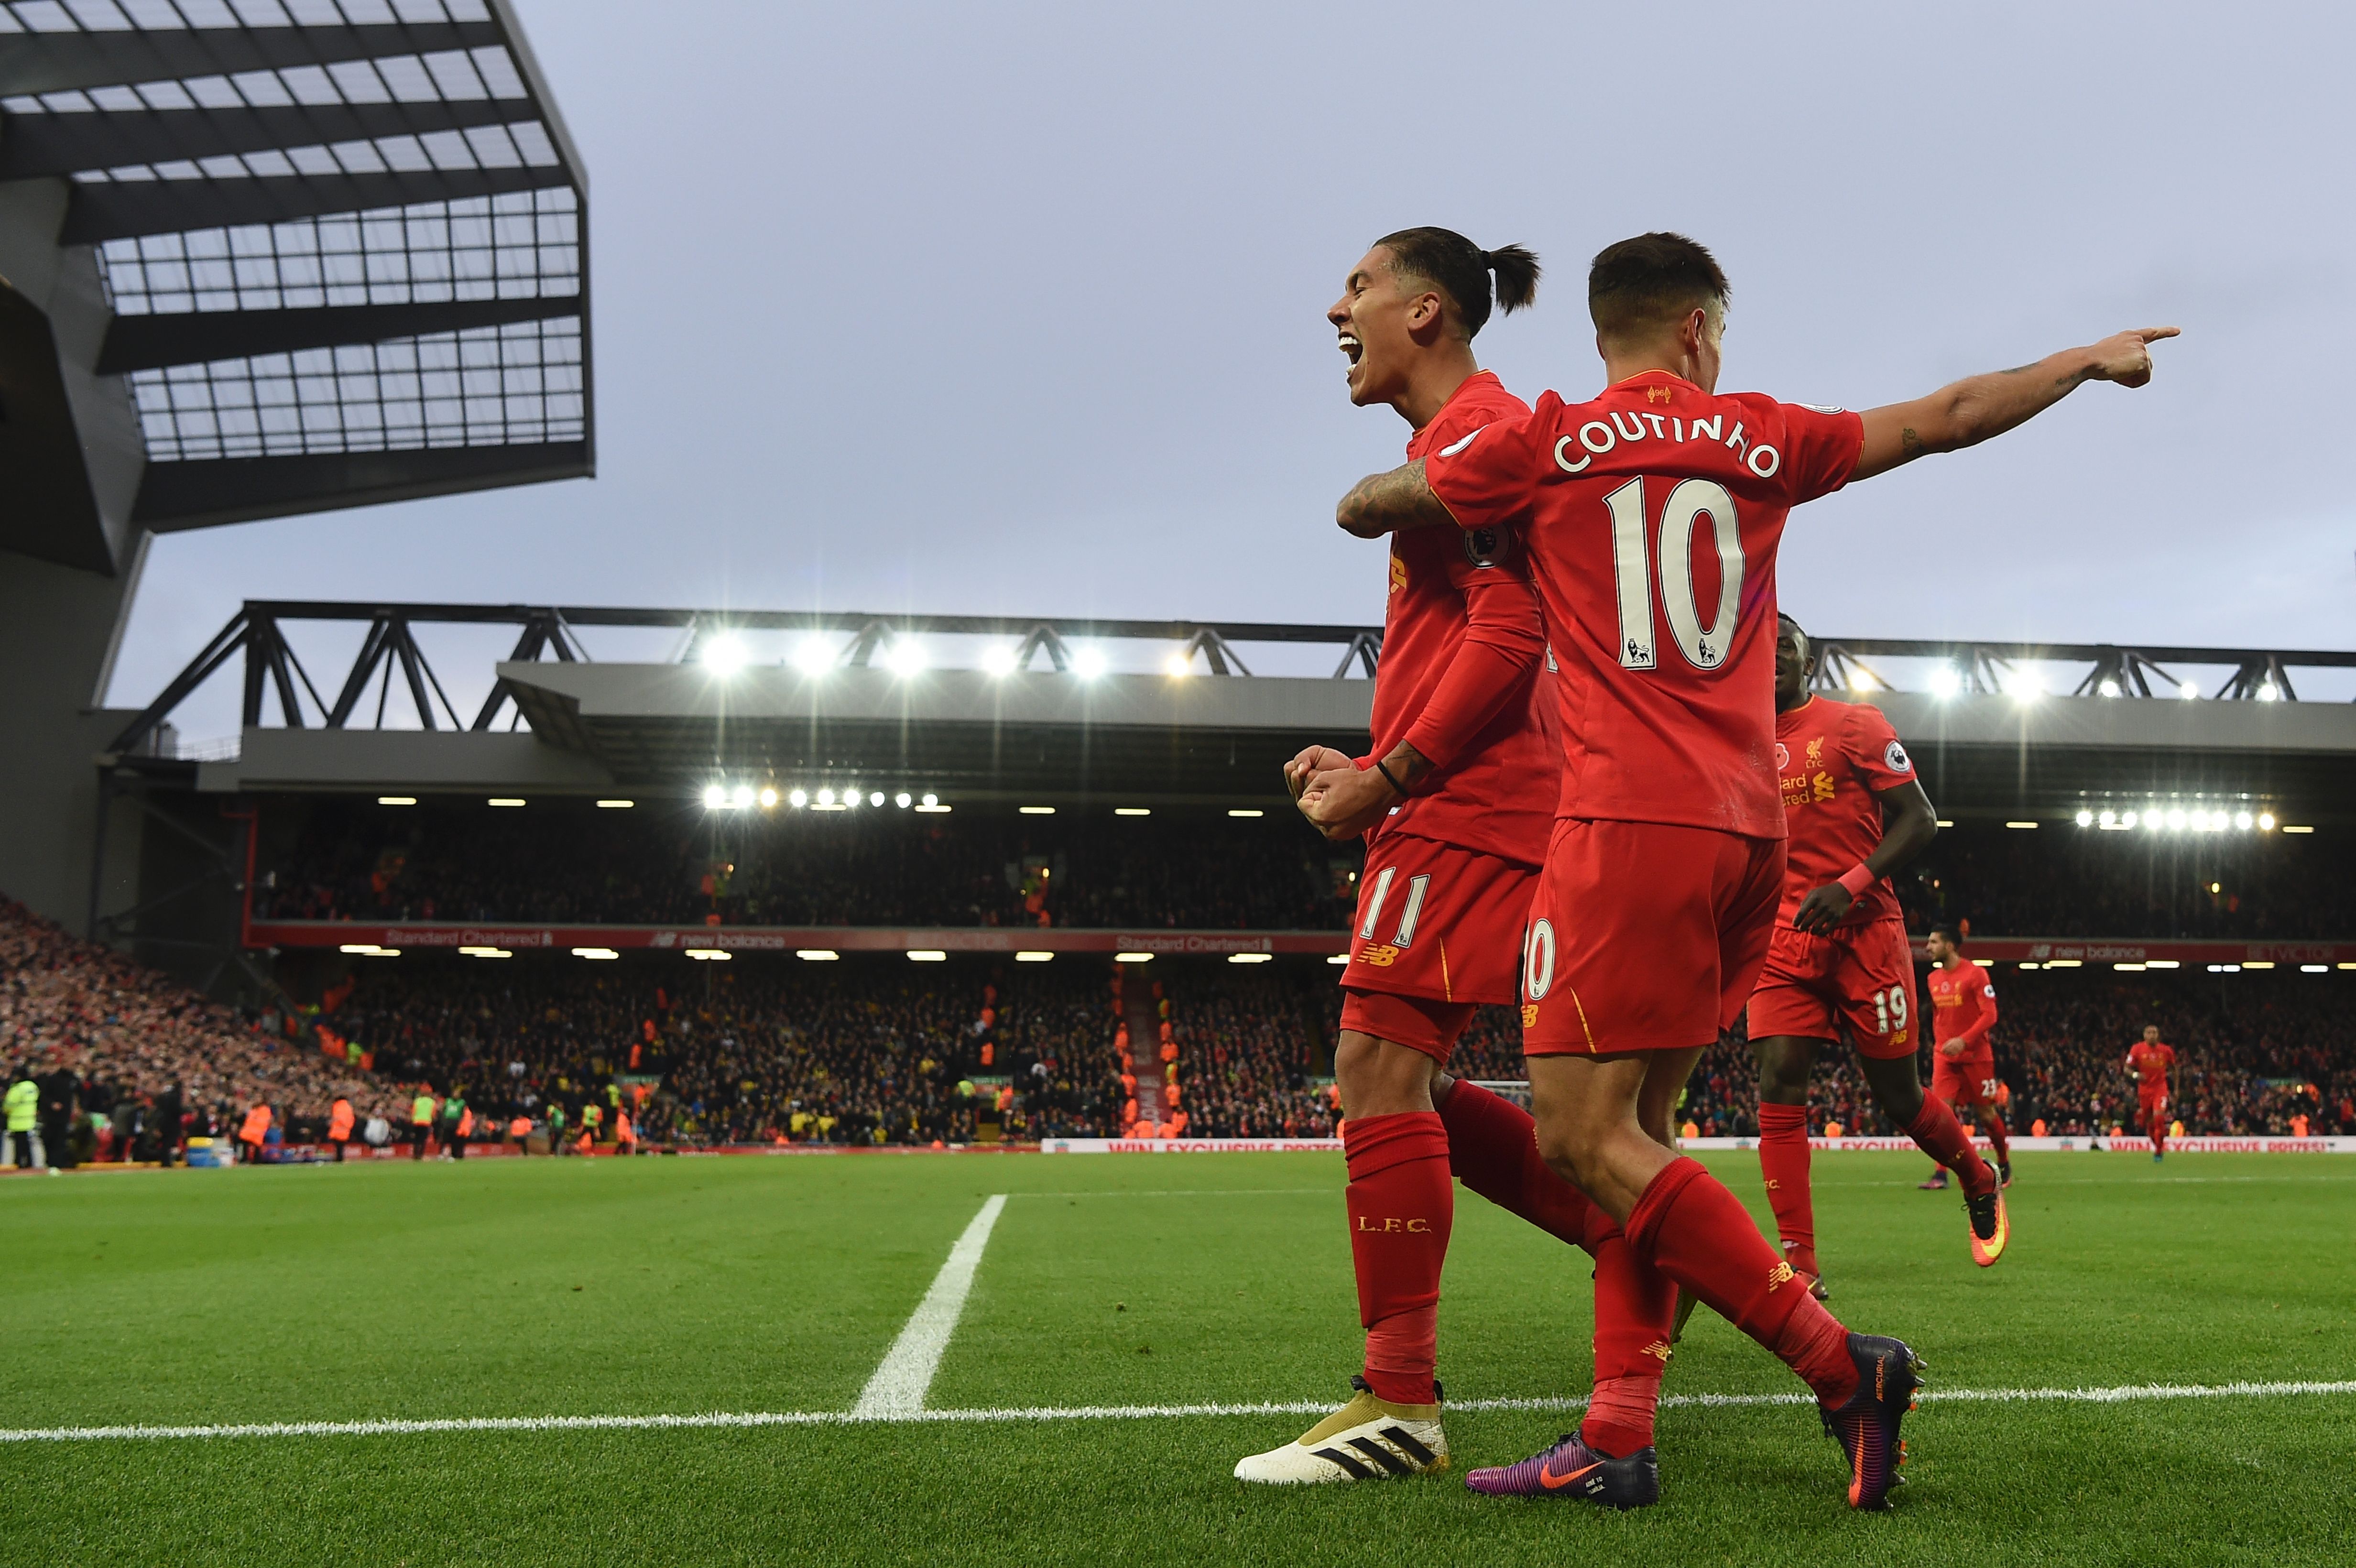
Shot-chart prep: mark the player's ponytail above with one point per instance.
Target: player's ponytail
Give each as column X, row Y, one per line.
column 1445, row 259
column 1517, row 270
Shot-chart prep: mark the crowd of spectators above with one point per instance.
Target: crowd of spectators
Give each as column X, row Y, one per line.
column 1253, row 1044
column 2065, row 880
column 2253, row 1051
column 128, row 1060
column 565, row 861
column 865, row 1053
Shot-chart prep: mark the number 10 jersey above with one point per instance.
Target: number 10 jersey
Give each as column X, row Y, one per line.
column 1652, row 515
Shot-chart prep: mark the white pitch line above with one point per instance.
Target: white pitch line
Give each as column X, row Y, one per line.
column 896, row 1392
column 395, row 1428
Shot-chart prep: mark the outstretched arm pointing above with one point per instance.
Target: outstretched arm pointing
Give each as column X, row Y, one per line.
column 1968, row 411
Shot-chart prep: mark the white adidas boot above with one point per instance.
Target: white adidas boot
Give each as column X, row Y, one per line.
column 1366, row 1440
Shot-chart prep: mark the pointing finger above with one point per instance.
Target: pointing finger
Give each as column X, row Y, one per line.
column 2154, row 334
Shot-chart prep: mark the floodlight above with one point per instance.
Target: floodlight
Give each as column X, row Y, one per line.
column 2176, row 818
column 744, row 796
column 1177, row 666
column 902, row 800
column 2267, row 693
column 798, row 799
column 875, row 798
column 998, row 659
column 396, row 800
column 714, row 797
column 1088, row 663
column 927, row 956
column 709, row 955
column 850, row 795
column 2266, row 822
column 1250, row 957
column 2085, row 819
column 1033, row 956
column 813, row 657
column 1945, row 681
column 2024, row 686
column 768, row 798
column 2126, row 821
column 725, row 655
column 2108, row 688
column 826, row 797
column 906, row 657
column 2188, row 691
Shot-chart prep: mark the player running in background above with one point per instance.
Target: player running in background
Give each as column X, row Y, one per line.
column 1963, row 1069
column 1652, row 514
column 2150, row 1060
column 1454, row 835
column 1839, row 956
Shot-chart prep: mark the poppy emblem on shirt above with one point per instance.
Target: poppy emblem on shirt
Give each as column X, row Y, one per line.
column 1894, row 757
column 1454, row 447
column 1486, row 546
column 1783, row 756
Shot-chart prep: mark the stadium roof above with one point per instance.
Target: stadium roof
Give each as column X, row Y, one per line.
column 1046, row 725
column 278, row 256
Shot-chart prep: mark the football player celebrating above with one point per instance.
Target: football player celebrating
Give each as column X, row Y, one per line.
column 2149, row 1061
column 1454, row 836
column 1856, row 813
column 1652, row 514
column 1963, row 1063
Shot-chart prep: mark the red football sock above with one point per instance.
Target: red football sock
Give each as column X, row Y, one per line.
column 1492, row 1148
column 1783, row 1162
column 1634, row 1305
column 1695, row 1231
column 1992, row 1120
column 1400, row 1207
column 2157, row 1126
column 1943, row 1138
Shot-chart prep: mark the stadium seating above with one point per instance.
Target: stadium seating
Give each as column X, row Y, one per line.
column 566, row 861
column 127, row 1032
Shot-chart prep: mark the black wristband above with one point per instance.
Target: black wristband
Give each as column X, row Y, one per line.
column 1390, row 781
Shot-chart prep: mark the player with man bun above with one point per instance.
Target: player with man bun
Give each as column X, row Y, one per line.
column 1455, row 801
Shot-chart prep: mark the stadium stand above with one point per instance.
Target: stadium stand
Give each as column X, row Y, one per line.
column 567, row 861
column 2065, row 880
column 128, row 1037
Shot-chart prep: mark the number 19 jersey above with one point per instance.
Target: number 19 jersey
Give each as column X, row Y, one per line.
column 1652, row 515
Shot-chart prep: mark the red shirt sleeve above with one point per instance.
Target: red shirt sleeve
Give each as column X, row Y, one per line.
column 1981, row 992
column 1875, row 751
column 1821, row 449
column 1504, row 637
column 1488, row 478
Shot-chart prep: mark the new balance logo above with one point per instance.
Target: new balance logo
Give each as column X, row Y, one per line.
column 1529, row 1014
column 1778, row 1277
column 1381, row 958
column 1661, row 1350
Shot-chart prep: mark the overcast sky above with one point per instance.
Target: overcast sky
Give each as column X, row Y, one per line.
column 1020, row 308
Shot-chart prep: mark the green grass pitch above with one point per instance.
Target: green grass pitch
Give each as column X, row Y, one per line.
column 526, row 1288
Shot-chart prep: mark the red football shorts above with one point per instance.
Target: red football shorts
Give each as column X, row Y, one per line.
column 1421, row 1023
column 1438, row 924
column 1644, row 936
column 1964, row 1080
column 1862, row 976
column 2153, row 1104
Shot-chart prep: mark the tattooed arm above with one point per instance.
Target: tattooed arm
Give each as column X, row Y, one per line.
column 1968, row 411
column 1385, row 503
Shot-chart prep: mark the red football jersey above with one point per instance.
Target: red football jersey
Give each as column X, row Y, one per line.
column 1830, row 757
column 1653, row 514
column 2151, row 1062
column 1496, row 793
column 1963, row 1006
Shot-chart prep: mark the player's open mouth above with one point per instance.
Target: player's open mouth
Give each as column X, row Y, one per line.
column 1353, row 347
